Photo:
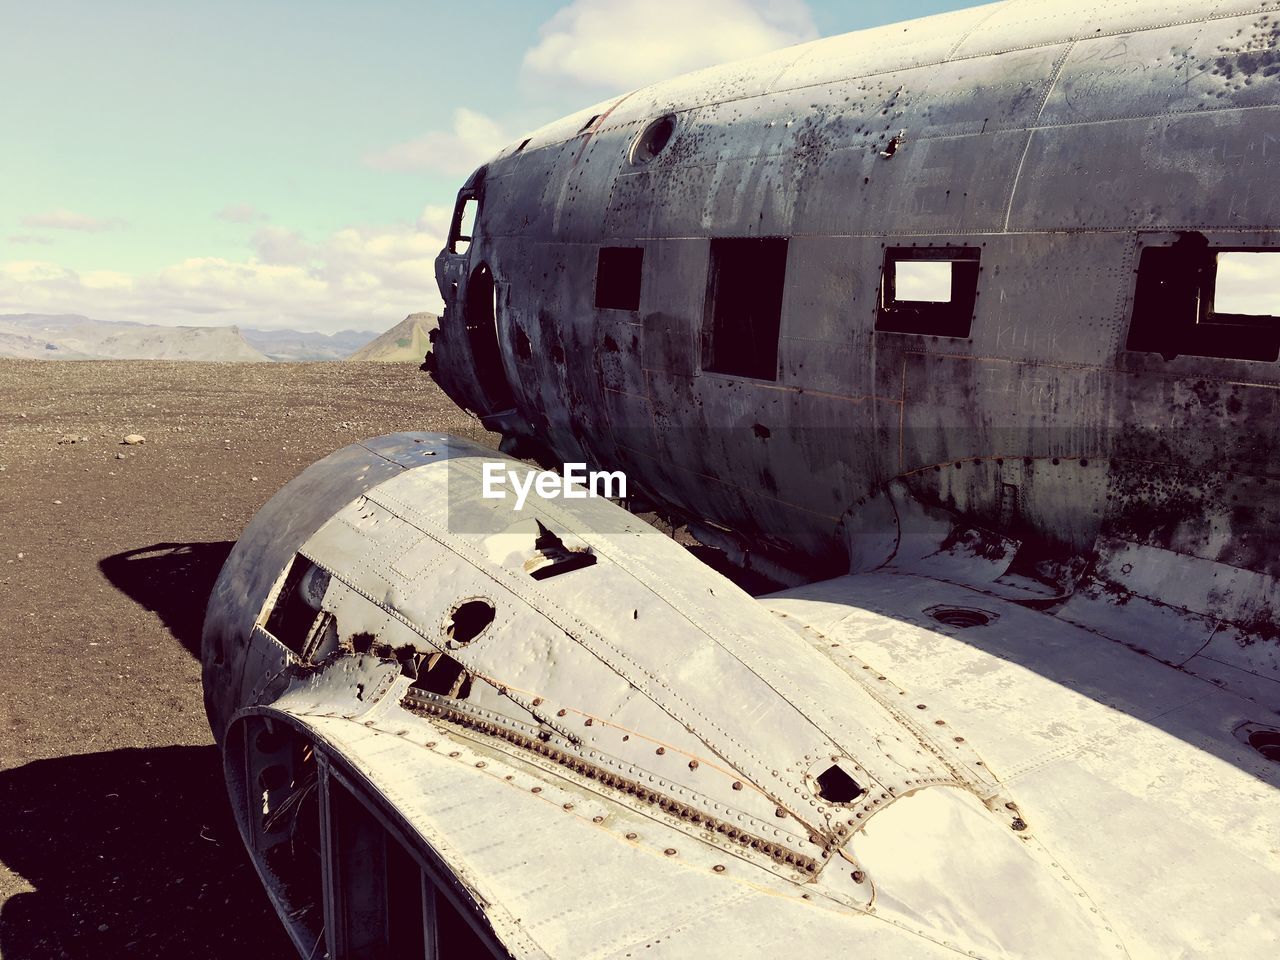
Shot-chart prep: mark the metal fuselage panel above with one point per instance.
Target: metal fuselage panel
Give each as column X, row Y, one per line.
column 1057, row 143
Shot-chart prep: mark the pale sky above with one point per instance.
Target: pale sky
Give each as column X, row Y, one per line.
column 281, row 163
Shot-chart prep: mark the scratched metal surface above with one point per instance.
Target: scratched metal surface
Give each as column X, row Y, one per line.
column 649, row 692
column 1058, row 138
column 1130, row 770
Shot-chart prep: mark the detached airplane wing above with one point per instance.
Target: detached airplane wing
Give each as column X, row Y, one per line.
column 961, row 332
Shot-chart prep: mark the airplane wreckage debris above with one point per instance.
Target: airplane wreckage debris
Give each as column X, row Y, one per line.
column 945, row 328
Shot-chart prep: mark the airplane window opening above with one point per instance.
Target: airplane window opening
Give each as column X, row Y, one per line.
column 836, row 786
column 930, row 291
column 618, row 278
column 653, row 139
column 465, row 225
column 743, row 314
column 1192, row 299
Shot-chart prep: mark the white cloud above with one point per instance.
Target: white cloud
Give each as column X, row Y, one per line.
column 67, row 220
column 29, row 239
column 241, row 213
column 621, row 44
column 364, row 277
column 1248, row 283
column 473, row 140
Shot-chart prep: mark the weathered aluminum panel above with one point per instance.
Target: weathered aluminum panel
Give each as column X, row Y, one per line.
column 1133, row 765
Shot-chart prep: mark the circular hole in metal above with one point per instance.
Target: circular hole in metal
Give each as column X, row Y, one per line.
column 653, row 139
column 960, row 617
column 1267, row 742
column 274, row 777
column 468, row 620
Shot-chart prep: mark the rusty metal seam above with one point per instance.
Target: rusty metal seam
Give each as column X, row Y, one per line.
column 778, row 852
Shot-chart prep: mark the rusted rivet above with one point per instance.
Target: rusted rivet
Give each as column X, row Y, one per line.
column 597, row 819
column 537, row 790
column 568, row 806
column 921, row 706
column 670, row 851
column 479, row 763
column 455, row 753
column 940, row 723
column 509, row 777
column 779, row 812
column 588, row 721
column 718, row 868
column 693, row 764
column 958, row 739
column 858, row 876
column 537, row 701
column 631, row 836
column 661, row 751
column 431, row 743
column 1011, row 805
column 561, row 712
column 737, row 784
column 1019, row 823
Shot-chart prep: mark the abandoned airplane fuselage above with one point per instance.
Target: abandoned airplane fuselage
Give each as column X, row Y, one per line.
column 945, row 327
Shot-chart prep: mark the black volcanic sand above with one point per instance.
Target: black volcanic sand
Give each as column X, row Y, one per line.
column 115, row 833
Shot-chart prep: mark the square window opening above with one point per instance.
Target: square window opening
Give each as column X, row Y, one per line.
column 618, row 272
column 742, row 318
column 929, row 291
column 1195, row 300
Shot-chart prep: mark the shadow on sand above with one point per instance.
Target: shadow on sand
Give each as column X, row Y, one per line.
column 131, row 853
column 172, row 579
column 134, row 853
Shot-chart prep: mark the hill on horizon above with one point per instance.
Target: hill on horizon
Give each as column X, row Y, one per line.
column 74, row 337
column 305, row 344
column 407, row 340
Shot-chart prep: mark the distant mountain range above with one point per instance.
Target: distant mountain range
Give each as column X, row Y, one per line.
column 73, row 337
column 306, row 345
column 407, row 340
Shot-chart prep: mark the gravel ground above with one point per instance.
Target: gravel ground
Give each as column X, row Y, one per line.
column 115, row 837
